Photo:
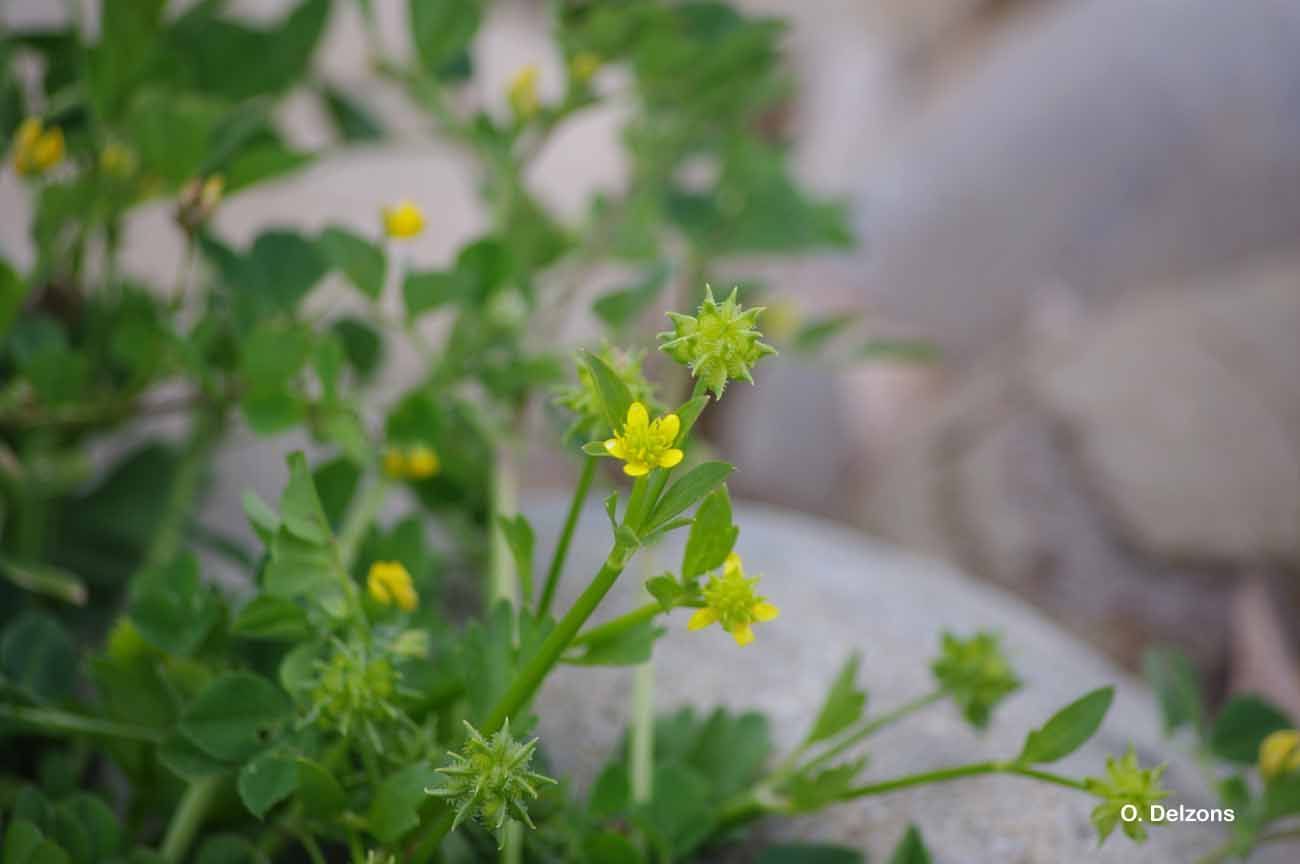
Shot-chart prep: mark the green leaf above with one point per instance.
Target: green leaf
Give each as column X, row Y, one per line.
column 361, row 345
column 271, row 618
column 126, row 47
column 595, row 448
column 614, row 396
column 266, row 781
column 352, row 122
column 228, row 849
column 519, row 536
column 1242, row 725
column 843, row 705
column 1173, row 678
column 442, row 31
column 321, row 795
column 815, row 334
column 1282, row 797
column 171, row 133
column 607, row 847
column 22, row 838
column 810, row 853
column 665, row 589
column 697, row 483
column 236, row 716
column 262, row 160
column 898, row 351
column 97, row 822
column 301, row 512
column 397, row 802
column 260, row 516
column 631, row 647
column 688, row 414
column 620, row 307
column 45, row 580
column 39, row 656
column 911, row 849
column 132, row 688
column 13, row 293
column 682, row 815
column 172, row 608
column 359, row 259
column 427, row 290
column 712, row 536
column 181, row 757
column 1068, row 729
column 300, row 569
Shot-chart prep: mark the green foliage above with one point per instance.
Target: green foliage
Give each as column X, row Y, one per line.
column 976, row 674
column 911, row 849
column 1068, row 729
column 843, row 706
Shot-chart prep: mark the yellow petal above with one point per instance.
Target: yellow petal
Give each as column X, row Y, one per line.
column 732, row 563
column 701, row 619
column 670, row 458
column 670, row 425
column 637, row 416
column 614, row 447
column 743, row 635
column 636, row 469
column 764, row 611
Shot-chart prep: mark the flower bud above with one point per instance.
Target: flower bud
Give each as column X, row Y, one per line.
column 403, row 220
column 37, row 149
column 1279, row 754
column 975, row 674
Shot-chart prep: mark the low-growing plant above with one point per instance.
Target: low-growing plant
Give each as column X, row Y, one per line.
column 346, row 702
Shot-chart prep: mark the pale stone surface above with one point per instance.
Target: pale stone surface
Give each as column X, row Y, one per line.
column 840, row 592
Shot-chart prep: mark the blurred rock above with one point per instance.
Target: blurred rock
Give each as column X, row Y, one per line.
column 840, row 593
column 1124, row 476
column 1109, row 144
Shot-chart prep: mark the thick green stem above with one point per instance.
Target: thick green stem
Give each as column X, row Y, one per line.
column 188, row 818
column 642, row 734
column 54, row 721
column 566, row 535
column 359, row 519
column 503, row 581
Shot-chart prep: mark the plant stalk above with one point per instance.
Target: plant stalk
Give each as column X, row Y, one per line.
column 52, row 720
column 566, row 535
column 188, row 818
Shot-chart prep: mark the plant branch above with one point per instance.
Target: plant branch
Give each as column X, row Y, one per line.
column 52, row 720
column 566, row 535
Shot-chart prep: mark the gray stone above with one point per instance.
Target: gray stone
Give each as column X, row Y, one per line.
column 840, row 592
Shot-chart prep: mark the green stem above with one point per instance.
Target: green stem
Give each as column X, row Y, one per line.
column 359, row 519
column 503, row 581
column 512, row 847
column 618, row 626
column 188, row 818
column 184, row 489
column 566, row 535
column 52, row 720
column 642, row 735
column 871, row 727
column 944, row 775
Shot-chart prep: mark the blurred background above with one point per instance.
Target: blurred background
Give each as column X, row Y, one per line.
column 1088, row 209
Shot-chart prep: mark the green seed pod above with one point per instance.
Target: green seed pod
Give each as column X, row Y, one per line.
column 720, row 344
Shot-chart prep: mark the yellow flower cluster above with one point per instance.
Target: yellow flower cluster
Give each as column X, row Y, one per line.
column 644, row 445
column 389, row 583
column 730, row 600
column 37, row 149
column 403, row 220
column 411, row 463
column 523, row 92
column 1279, row 754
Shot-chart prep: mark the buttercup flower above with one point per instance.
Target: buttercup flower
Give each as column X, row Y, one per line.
column 37, row 149
column 719, row 344
column 403, row 220
column 411, row 463
column 583, row 66
column 975, row 674
column 490, row 779
column 390, row 583
column 644, row 445
column 1128, row 791
column 523, row 92
column 1279, row 754
column 730, row 600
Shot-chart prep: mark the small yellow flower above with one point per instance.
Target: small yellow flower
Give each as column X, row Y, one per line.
column 523, row 92
column 643, row 445
column 584, row 66
column 421, row 462
column 389, row 583
column 411, row 463
column 403, row 220
column 730, row 600
column 116, row 160
column 1279, row 754
column 37, row 149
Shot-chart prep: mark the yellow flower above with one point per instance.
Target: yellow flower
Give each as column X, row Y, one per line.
column 37, row 149
column 116, row 160
column 643, row 445
column 523, row 92
column 584, row 66
column 412, row 463
column 1279, row 754
column 389, row 583
column 421, row 462
column 404, row 219
column 730, row 600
